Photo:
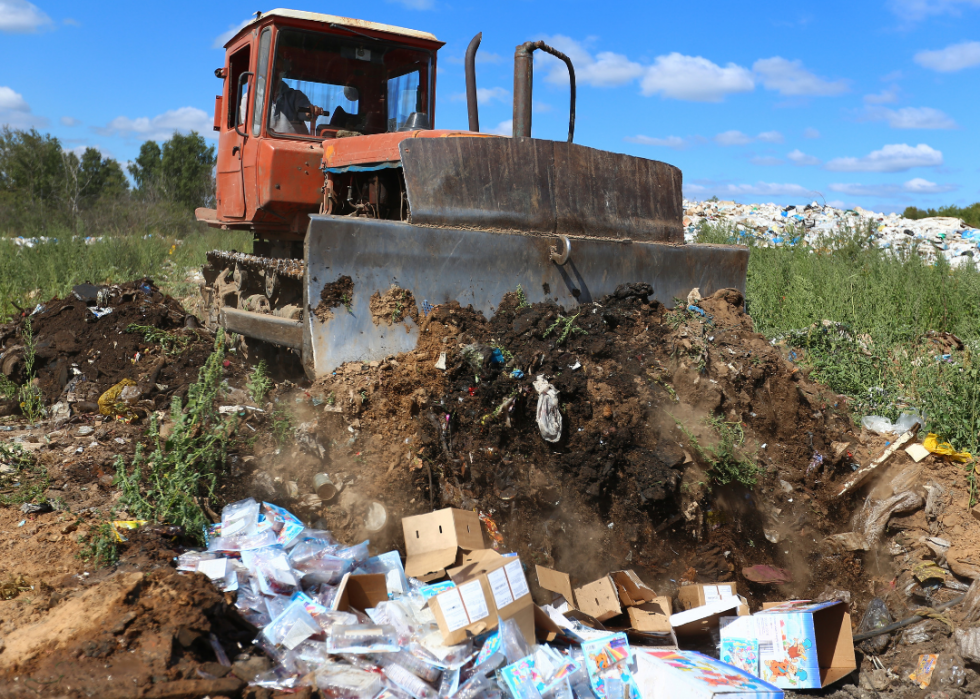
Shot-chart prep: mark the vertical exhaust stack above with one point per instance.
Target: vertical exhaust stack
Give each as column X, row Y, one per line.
column 472, row 108
column 523, row 83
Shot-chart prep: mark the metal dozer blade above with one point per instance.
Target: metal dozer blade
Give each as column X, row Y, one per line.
column 564, row 222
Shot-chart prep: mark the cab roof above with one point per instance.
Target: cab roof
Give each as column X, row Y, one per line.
column 342, row 21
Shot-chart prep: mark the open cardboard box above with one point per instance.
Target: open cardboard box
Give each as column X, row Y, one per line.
column 695, row 624
column 801, row 645
column 433, row 541
column 691, row 596
column 504, row 575
column 360, row 592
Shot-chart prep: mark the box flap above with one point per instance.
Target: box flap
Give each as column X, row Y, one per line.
column 476, row 563
column 545, row 628
column 553, row 581
column 701, row 619
column 434, row 531
column 835, row 644
column 632, row 591
column 360, row 592
column 469, row 530
column 429, row 565
column 599, row 599
column 649, row 617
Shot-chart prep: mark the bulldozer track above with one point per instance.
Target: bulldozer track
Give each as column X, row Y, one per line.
column 290, row 268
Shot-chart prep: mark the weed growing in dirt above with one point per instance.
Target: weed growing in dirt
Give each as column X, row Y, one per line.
column 282, row 424
column 171, row 343
column 27, row 480
column 31, row 398
column 170, row 483
column 725, row 461
column 100, row 546
column 346, row 300
column 522, row 298
column 8, row 389
column 567, row 326
column 259, row 383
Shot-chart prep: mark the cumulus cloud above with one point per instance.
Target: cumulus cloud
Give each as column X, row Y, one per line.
column 605, row 69
column 792, row 79
column 770, row 137
column 800, row 158
column 161, row 127
column 916, row 185
column 810, row 132
column 952, row 58
column 485, row 95
column 694, row 78
column 69, row 121
column 766, row 160
column 504, row 128
column 912, row 118
column 737, row 138
column 223, row 38
column 914, row 10
column 891, row 158
column 15, row 112
column 886, row 96
column 22, row 17
column 758, row 189
column 13, row 101
column 675, row 142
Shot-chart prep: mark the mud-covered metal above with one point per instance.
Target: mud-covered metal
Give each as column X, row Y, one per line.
column 478, row 267
column 289, row 268
column 541, row 187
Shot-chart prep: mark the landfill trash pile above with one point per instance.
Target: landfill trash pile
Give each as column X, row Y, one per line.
column 668, row 484
column 771, row 225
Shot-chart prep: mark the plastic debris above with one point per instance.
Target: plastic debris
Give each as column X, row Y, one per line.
column 883, row 425
column 875, row 617
column 548, row 416
column 109, row 401
column 932, row 443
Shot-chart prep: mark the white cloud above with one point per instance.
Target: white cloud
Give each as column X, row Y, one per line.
column 605, row 69
column 912, row 118
column 22, row 17
column 485, row 95
column 69, row 121
column 800, row 158
column 791, row 78
column 161, row 127
column 415, row 4
column 732, row 138
column 770, row 137
column 694, row 78
column 912, row 10
column 891, row 158
column 675, row 142
column 759, row 189
column 504, row 128
column 810, row 132
column 886, row 96
column 952, row 58
column 914, row 186
column 766, row 160
column 13, row 101
column 541, row 107
column 223, row 38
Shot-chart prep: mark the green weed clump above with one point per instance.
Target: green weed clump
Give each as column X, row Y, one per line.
column 28, row 480
column 170, row 483
column 100, row 546
column 170, row 343
column 725, row 458
column 259, row 383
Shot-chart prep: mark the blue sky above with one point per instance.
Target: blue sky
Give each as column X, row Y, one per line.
column 869, row 103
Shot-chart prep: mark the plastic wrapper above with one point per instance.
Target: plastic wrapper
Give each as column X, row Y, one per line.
column 317, row 562
column 449, row 683
column 252, row 540
column 292, row 627
column 548, row 415
column 970, row 607
column 968, row 643
column 476, row 687
column 240, row 518
column 875, row 617
column 512, row 641
column 872, row 519
column 306, row 657
column 358, row 553
column 950, row 671
column 271, row 569
column 345, row 682
column 187, row 562
column 362, row 638
column 389, row 564
column 285, row 524
column 923, row 632
column 327, row 620
column 408, row 682
column 882, row 425
column 416, row 666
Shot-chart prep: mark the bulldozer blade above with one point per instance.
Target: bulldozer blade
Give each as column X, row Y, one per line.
column 477, row 268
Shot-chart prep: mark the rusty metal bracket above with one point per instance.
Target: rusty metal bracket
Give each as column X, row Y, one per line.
column 561, row 258
column 523, row 81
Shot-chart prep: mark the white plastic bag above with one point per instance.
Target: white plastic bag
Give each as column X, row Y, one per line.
column 549, row 418
column 882, row 425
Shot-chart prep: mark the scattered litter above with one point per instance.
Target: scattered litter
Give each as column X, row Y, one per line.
column 548, row 417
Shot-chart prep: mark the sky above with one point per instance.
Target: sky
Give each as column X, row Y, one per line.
column 862, row 103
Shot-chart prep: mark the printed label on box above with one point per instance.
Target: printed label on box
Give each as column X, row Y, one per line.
column 518, row 583
column 475, row 602
column 500, row 588
column 452, row 609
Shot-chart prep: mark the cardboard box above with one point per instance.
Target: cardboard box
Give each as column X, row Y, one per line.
column 360, row 592
column 801, row 645
column 699, row 621
column 504, row 575
column 601, row 599
column 433, row 541
column 652, row 617
column 691, row 596
column 682, row 674
column 465, row 610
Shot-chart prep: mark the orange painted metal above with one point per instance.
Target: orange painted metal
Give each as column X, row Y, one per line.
column 380, row 148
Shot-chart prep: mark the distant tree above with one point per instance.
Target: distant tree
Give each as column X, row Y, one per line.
column 104, row 177
column 146, row 168
column 186, row 165
column 30, row 166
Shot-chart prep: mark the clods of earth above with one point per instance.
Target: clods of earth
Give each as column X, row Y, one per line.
column 688, row 449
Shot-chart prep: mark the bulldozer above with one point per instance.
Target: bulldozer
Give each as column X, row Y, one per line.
column 365, row 216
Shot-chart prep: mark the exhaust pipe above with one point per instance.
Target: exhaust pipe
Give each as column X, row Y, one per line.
column 472, row 109
column 523, row 79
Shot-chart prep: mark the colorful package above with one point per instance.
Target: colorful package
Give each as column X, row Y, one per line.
column 606, row 656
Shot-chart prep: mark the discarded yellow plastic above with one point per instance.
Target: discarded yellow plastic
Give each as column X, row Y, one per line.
column 130, row 524
column 931, row 442
column 108, row 400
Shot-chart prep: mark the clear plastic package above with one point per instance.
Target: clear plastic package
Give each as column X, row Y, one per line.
column 338, row 681
column 410, row 683
column 240, row 518
column 270, row 567
column 316, row 561
column 362, row 638
column 292, row 627
column 416, row 666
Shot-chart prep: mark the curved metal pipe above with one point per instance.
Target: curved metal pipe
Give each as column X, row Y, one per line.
column 472, row 109
column 523, row 85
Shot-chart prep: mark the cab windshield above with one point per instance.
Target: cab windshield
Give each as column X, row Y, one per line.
column 325, row 86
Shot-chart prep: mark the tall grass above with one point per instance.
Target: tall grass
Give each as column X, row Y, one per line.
column 29, row 276
column 883, row 348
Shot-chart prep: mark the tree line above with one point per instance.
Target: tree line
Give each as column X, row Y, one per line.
column 45, row 189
